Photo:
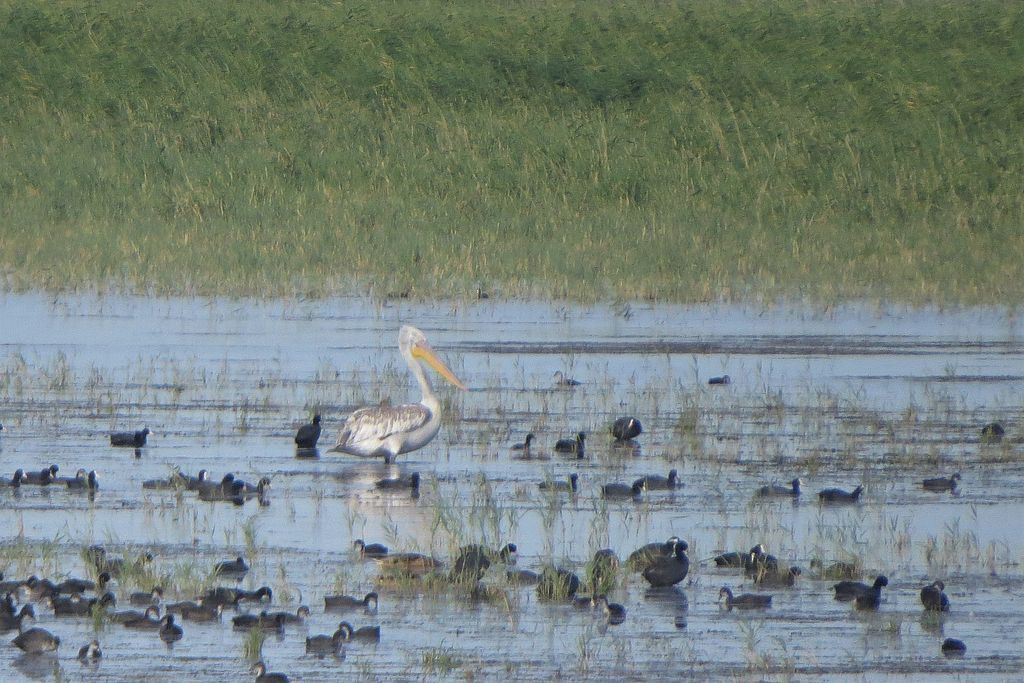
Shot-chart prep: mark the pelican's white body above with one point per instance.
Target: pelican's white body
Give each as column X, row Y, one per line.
column 390, row 430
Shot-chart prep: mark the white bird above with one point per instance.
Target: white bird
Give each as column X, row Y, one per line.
column 390, row 430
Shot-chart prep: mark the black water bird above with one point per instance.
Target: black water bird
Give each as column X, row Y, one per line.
column 198, row 612
column 308, row 434
column 522, row 577
column 614, row 613
column 774, row 489
column 557, row 584
column 235, row 567
column 347, row 602
column 77, row 585
column 261, row 594
column 16, row 479
column 760, row 562
column 90, row 652
column 228, row 596
column 227, row 489
column 183, row 605
column 146, row 598
column 178, row 480
column 840, row 495
column 77, row 606
column 668, row 571
column 721, row 379
column 194, row 483
column 569, row 485
column 10, row 621
column 7, row 602
column 585, row 602
column 130, row 439
column 369, row 550
column 952, row 647
column 299, row 616
column 603, row 571
column 224, row 487
column 150, row 620
column 934, row 598
column 473, row 561
column 942, row 484
column 65, row 480
column 739, row 560
column 745, row 600
column 43, row 477
column 849, row 590
column 36, row 641
column 562, row 380
column 83, row 481
column 37, row 588
column 169, row 631
column 620, row 491
column 655, row 482
column 871, row 598
column 412, row 564
column 260, row 488
column 325, row 645
column 115, row 565
column 368, row 634
column 524, row 448
column 626, row 428
column 152, row 614
column 733, row 559
column 262, row 676
column 572, row 446
column 642, row 557
column 993, row 432
column 264, row 620
column 778, row 578
column 836, row 570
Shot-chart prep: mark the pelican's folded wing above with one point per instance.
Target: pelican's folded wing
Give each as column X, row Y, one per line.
column 367, row 428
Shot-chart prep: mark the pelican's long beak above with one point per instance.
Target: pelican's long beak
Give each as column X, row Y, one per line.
column 426, row 353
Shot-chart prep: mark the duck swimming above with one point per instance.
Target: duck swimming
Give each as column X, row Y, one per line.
column 744, row 601
column 573, row 446
column 369, row 550
column 840, row 496
column 346, row 602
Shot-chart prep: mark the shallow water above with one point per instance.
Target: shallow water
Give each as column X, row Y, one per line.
column 883, row 397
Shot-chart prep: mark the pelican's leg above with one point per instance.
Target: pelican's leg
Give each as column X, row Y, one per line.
column 389, row 458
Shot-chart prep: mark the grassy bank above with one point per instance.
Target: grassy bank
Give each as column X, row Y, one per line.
column 677, row 151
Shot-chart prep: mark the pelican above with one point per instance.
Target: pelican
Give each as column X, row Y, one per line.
column 389, row 430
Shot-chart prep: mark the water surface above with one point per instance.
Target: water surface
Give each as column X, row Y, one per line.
column 840, row 397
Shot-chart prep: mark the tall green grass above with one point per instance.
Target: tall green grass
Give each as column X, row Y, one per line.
column 676, row 151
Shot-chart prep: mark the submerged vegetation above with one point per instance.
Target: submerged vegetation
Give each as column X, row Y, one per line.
column 687, row 152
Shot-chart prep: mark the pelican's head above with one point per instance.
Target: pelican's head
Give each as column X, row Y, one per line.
column 414, row 344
